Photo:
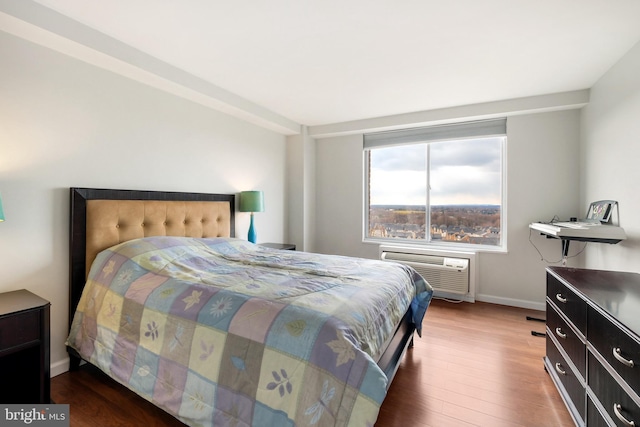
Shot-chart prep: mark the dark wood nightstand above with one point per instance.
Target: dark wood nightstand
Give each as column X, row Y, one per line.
column 282, row 246
column 24, row 348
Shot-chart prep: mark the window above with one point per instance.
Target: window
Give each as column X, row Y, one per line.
column 442, row 185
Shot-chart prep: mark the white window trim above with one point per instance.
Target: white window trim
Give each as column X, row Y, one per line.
column 480, row 129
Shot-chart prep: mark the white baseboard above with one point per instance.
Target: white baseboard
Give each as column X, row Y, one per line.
column 59, row 367
column 454, row 297
column 531, row 305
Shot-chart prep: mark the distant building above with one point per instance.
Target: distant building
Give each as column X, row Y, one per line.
column 479, row 222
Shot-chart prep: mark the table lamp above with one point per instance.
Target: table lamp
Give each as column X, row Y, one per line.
column 251, row 201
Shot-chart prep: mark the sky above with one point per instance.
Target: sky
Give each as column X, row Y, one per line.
column 462, row 172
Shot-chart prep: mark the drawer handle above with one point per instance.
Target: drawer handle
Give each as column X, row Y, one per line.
column 560, row 370
column 560, row 298
column 616, row 410
column 560, row 333
column 617, row 353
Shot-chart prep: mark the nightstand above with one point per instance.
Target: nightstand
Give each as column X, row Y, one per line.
column 24, row 348
column 282, row 246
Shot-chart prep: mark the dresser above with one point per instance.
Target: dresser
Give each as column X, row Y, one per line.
column 24, row 348
column 593, row 344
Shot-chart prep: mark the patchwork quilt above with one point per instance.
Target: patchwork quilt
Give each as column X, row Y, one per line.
column 223, row 332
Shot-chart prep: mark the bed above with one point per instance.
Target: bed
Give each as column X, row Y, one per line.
column 219, row 331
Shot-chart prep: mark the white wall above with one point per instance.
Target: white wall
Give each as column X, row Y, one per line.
column 610, row 156
column 542, row 181
column 301, row 193
column 64, row 123
column 340, row 197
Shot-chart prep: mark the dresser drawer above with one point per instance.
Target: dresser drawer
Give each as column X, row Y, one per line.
column 618, row 404
column 594, row 417
column 568, row 302
column 573, row 345
column 621, row 351
column 19, row 329
column 572, row 385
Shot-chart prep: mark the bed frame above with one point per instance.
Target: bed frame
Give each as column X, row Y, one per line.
column 101, row 218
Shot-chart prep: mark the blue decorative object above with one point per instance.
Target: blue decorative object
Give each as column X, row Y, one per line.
column 253, row 236
column 1, row 210
column 252, row 201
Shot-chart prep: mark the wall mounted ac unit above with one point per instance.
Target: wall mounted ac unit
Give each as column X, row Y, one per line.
column 449, row 273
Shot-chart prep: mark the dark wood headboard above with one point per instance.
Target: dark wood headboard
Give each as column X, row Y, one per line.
column 149, row 214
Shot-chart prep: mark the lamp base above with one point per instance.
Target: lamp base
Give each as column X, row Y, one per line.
column 252, row 236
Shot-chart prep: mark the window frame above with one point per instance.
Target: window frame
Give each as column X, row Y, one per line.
column 411, row 139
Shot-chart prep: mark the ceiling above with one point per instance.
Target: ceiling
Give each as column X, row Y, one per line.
column 319, row 62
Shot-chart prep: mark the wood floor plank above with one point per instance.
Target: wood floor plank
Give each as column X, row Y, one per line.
column 475, row 365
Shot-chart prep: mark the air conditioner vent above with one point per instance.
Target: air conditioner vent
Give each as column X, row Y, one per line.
column 404, row 257
column 447, row 274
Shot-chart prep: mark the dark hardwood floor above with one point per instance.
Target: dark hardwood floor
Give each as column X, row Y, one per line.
column 475, row 365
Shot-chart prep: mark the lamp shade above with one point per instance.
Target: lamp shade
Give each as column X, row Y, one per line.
column 251, row 201
column 1, row 210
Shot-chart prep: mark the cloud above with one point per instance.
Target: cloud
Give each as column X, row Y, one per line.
column 481, row 153
column 398, row 187
column 462, row 172
column 465, row 185
column 400, row 158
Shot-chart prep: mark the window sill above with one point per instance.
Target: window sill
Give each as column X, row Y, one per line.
column 438, row 247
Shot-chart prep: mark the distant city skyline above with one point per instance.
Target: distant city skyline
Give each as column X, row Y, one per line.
column 459, row 223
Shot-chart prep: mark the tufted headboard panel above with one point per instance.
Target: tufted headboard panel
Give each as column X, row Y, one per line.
column 110, row 222
column 101, row 218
